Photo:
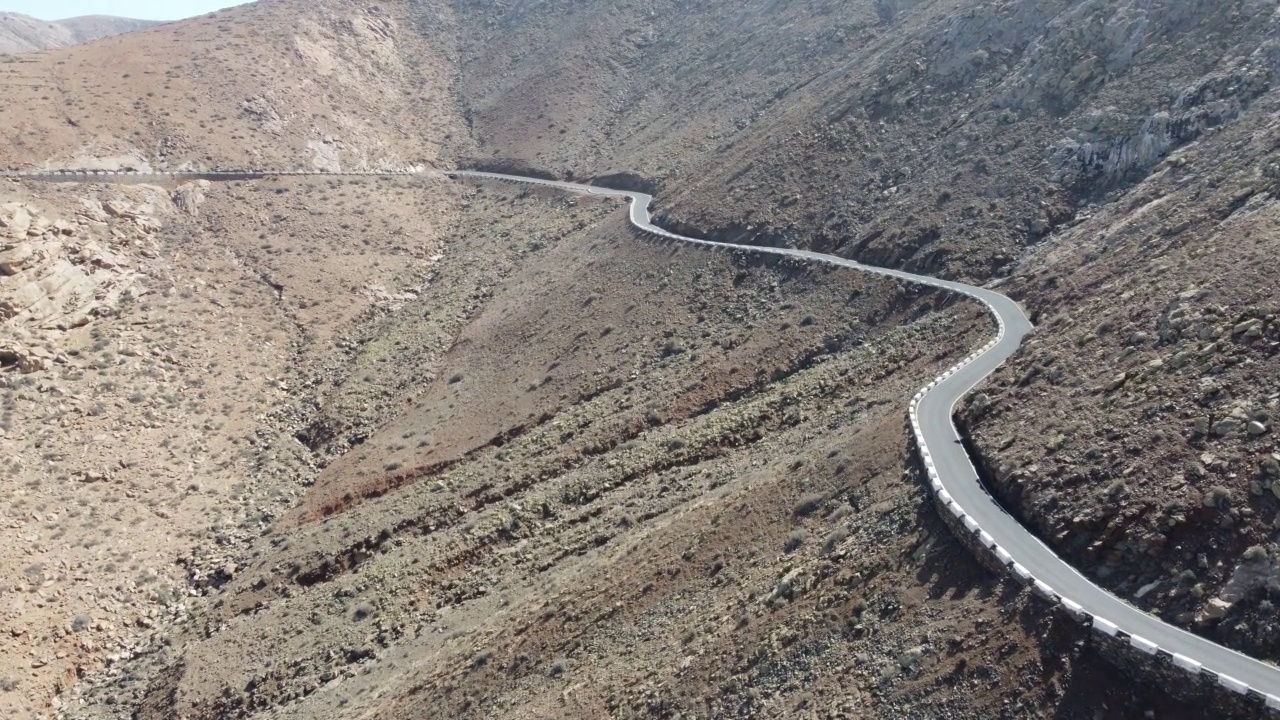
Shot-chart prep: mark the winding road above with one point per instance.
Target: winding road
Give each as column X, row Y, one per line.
column 953, row 480
column 956, row 484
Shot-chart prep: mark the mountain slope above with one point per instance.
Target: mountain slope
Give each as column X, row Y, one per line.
column 937, row 135
column 328, row 85
column 23, row 33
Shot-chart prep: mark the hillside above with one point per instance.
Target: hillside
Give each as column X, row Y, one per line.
column 298, row 85
column 327, row 447
column 23, row 33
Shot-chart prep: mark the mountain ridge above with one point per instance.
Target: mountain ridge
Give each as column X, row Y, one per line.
column 23, row 33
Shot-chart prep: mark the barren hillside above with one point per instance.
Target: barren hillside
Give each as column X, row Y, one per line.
column 23, row 33
column 296, row 85
column 944, row 136
column 323, row 447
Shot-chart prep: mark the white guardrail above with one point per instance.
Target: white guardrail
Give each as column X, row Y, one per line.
column 1100, row 625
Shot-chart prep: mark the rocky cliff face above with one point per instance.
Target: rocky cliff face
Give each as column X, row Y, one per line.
column 1136, row 430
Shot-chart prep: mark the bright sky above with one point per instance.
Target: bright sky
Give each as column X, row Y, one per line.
column 140, row 9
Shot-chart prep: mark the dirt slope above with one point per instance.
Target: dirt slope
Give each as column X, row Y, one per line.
column 1137, row 431
column 147, row 409
column 1113, row 158
column 23, row 33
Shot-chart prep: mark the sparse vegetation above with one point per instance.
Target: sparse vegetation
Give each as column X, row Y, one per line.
column 808, row 504
column 1218, row 497
column 834, row 538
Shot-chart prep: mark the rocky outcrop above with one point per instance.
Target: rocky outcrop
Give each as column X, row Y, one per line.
column 188, row 196
column 262, row 111
column 59, row 274
column 1110, row 146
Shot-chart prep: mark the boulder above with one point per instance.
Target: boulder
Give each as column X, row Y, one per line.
column 94, row 211
column 1271, row 466
column 118, row 208
column 32, row 364
column 187, row 198
column 793, row 583
column 1226, row 426
column 147, row 224
column 1244, row 327
column 1215, row 609
column 18, row 221
column 911, row 656
column 16, row 258
column 39, row 226
column 94, row 254
column 1256, row 428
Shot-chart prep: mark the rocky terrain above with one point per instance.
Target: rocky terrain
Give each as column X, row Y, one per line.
column 131, row 428
column 326, row 447
column 1138, row 436
column 1112, row 159
column 23, row 33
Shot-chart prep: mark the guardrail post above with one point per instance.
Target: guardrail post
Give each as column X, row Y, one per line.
column 1105, row 627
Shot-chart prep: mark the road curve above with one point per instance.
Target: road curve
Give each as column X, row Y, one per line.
column 952, row 477
column 955, row 482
